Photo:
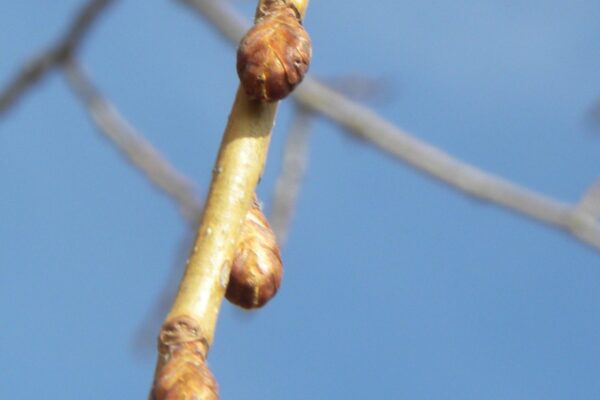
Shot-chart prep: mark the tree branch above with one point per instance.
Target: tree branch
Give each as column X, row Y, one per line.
column 136, row 149
column 66, row 47
column 457, row 174
column 293, row 169
column 188, row 330
column 593, row 115
column 590, row 202
column 445, row 168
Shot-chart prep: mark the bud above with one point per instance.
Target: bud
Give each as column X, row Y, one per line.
column 184, row 377
column 182, row 372
column 256, row 269
column 274, row 56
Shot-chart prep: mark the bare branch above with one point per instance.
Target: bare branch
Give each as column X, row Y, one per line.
column 144, row 339
column 445, row 168
column 422, row 156
column 229, row 23
column 138, row 151
column 590, row 202
column 189, row 328
column 593, row 115
column 67, row 46
column 362, row 89
column 292, row 172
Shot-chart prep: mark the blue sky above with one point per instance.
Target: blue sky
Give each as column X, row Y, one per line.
column 394, row 286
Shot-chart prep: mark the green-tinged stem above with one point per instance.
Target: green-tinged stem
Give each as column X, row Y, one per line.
column 235, row 175
column 237, row 171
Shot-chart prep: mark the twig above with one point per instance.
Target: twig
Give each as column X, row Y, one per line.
column 293, row 169
column 188, row 330
column 137, row 150
column 295, row 154
column 228, row 22
column 362, row 89
column 445, row 168
column 590, row 202
column 424, row 157
column 593, row 115
column 144, row 339
column 66, row 47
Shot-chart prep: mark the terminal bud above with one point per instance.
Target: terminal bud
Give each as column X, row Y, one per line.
column 274, row 56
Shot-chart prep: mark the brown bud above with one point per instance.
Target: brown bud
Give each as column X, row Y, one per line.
column 185, row 376
column 274, row 55
column 256, row 269
column 182, row 372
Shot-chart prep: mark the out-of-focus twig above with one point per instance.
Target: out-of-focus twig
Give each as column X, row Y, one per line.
column 138, row 151
column 189, row 328
column 144, row 339
column 443, row 167
column 590, row 202
column 593, row 115
column 229, row 23
column 295, row 154
column 366, row 90
column 390, row 139
column 65, row 48
column 293, row 169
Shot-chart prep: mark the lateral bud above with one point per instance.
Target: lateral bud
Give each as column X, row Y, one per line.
column 256, row 269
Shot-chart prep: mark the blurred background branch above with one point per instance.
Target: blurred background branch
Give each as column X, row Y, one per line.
column 530, row 278
column 36, row 69
column 312, row 95
column 593, row 115
column 295, row 160
column 367, row 125
column 589, row 206
column 135, row 147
